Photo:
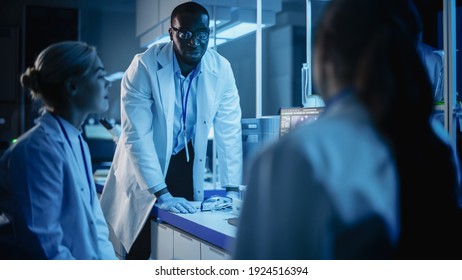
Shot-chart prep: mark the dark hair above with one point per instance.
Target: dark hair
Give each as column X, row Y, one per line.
column 373, row 50
column 411, row 13
column 191, row 8
column 54, row 66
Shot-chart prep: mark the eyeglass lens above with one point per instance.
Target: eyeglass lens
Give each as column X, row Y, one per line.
column 186, row 35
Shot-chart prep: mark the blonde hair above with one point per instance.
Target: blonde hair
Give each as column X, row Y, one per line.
column 54, row 66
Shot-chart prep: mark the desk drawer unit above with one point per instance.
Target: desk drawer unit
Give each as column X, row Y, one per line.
column 185, row 247
column 161, row 241
column 210, row 252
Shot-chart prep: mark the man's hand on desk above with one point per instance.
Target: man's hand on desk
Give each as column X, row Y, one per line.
column 175, row 204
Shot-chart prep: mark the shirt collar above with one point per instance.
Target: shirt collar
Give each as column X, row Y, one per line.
column 71, row 130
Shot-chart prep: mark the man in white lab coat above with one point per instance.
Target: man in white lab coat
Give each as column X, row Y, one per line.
column 172, row 94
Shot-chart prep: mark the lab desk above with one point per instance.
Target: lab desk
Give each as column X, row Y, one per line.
column 202, row 235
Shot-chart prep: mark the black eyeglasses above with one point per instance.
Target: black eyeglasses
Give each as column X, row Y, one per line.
column 187, row 35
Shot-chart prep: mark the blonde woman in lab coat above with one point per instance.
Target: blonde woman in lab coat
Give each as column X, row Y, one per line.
column 370, row 178
column 171, row 96
column 46, row 179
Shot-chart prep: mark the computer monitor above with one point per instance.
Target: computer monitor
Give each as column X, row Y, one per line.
column 293, row 117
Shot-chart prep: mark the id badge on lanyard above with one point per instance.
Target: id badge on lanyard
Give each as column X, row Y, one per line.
column 184, row 107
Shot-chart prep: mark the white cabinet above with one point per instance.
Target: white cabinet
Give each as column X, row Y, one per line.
column 161, row 241
column 185, row 247
column 209, row 252
column 171, row 243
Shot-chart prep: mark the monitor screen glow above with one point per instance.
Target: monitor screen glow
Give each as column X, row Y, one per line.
column 293, row 117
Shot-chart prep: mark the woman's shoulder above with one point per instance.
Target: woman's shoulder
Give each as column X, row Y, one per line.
column 42, row 137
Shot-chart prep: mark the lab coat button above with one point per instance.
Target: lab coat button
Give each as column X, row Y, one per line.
column 205, row 122
column 81, row 189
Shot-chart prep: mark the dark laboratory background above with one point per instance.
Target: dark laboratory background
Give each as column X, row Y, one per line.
column 28, row 26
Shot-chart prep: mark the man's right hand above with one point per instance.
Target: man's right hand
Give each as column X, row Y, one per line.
column 175, row 204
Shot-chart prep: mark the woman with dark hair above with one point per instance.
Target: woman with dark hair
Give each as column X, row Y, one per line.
column 47, row 174
column 370, row 178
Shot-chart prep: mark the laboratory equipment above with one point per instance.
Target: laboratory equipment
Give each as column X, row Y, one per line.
column 256, row 134
column 293, row 117
column 308, row 98
column 113, row 129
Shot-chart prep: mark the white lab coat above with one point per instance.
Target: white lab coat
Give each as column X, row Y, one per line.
column 318, row 183
column 433, row 61
column 50, row 198
column 144, row 149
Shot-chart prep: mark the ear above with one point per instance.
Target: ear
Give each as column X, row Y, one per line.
column 170, row 32
column 71, row 87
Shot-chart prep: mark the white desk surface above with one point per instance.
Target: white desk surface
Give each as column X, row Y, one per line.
column 212, row 227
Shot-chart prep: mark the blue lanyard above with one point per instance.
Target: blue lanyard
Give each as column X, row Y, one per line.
column 81, row 149
column 184, row 108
